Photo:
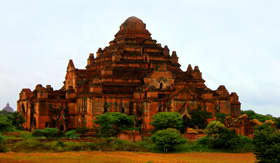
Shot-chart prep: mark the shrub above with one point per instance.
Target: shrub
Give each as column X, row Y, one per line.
column 16, row 119
column 3, row 148
column 5, row 124
column 267, row 144
column 112, row 123
column 219, row 137
column 164, row 120
column 28, row 145
column 166, row 140
column 47, row 132
column 72, row 134
column 82, row 130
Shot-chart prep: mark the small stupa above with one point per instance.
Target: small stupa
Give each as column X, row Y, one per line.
column 7, row 108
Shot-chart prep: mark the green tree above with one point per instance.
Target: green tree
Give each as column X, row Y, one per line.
column 252, row 115
column 220, row 117
column 167, row 139
column 112, row 123
column 5, row 124
column 16, row 119
column 220, row 137
column 164, row 120
column 198, row 118
column 267, row 144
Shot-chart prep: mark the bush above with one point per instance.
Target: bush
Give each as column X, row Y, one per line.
column 267, row 144
column 220, row 137
column 164, row 120
column 16, row 119
column 166, row 140
column 112, row 123
column 82, row 130
column 72, row 134
column 5, row 124
column 46, row 132
column 3, row 148
column 28, row 145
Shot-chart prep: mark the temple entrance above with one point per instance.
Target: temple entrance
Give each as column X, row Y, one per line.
column 61, row 128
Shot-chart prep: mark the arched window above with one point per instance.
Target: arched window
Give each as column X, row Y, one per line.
column 160, row 85
column 61, row 128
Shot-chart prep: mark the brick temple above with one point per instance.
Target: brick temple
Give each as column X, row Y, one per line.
column 133, row 75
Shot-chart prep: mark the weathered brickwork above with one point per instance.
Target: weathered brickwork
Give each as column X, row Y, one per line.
column 134, row 75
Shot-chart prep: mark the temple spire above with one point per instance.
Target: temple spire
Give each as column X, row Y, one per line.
column 70, row 66
column 90, row 59
column 189, row 69
column 196, row 69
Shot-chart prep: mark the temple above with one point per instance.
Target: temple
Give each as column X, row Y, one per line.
column 133, row 75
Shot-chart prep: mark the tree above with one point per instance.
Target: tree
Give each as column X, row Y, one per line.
column 220, row 117
column 5, row 124
column 252, row 115
column 112, row 123
column 167, row 139
column 16, row 119
column 164, row 120
column 267, row 144
column 198, row 118
column 220, row 137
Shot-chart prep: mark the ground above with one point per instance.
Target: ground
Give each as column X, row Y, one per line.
column 126, row 157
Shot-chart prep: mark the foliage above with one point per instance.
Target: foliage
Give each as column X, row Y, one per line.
column 112, row 123
column 16, row 119
column 5, row 124
column 27, row 145
column 72, row 134
column 267, row 143
column 82, row 130
column 198, row 118
column 252, row 115
column 3, row 148
column 220, row 117
column 46, row 132
column 164, row 120
column 220, row 137
column 166, row 140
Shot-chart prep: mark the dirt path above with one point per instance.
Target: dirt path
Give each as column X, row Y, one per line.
column 125, row 157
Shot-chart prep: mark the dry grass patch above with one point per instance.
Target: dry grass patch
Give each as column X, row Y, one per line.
column 125, row 157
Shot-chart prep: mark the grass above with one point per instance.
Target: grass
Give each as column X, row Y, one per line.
column 126, row 157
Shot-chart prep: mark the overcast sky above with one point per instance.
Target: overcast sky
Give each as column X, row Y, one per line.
column 234, row 42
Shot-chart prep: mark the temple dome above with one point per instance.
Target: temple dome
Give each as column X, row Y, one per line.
column 133, row 28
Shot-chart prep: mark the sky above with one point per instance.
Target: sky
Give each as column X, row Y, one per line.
column 234, row 42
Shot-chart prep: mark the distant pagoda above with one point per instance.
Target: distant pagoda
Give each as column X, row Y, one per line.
column 7, row 108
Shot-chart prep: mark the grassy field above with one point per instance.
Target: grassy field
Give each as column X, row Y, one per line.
column 126, row 157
